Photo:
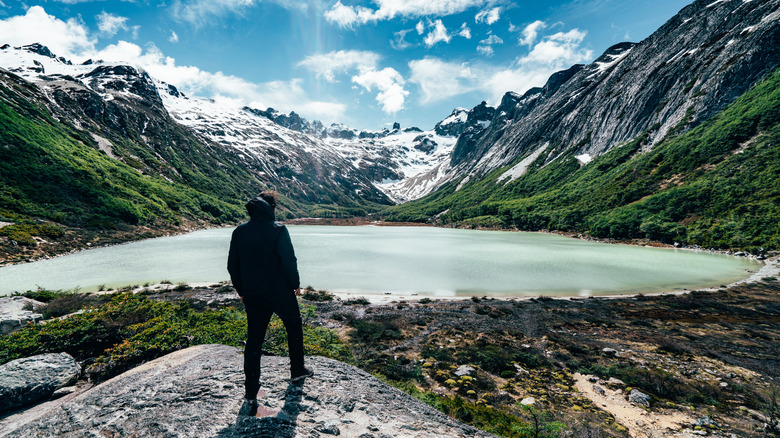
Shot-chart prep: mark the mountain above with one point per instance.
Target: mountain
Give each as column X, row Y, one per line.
column 687, row 71
column 102, row 163
column 375, row 165
column 672, row 139
column 100, row 147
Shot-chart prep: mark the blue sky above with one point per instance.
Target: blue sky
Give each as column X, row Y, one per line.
column 364, row 63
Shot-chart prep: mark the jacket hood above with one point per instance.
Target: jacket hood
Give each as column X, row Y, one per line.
column 260, row 210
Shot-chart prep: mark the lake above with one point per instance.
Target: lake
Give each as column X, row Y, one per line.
column 399, row 260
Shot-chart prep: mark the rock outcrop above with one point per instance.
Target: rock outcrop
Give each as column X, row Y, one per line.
column 15, row 313
column 32, row 379
column 198, row 392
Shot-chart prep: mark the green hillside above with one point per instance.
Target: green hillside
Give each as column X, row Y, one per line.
column 50, row 171
column 717, row 186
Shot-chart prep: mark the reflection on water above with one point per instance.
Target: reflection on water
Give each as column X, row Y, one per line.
column 428, row 261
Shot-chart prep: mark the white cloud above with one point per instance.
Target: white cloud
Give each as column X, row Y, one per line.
column 560, row 48
column 203, row 12
column 555, row 52
column 173, row 38
column 439, row 80
column 531, row 32
column 437, row 35
column 349, row 16
column 390, row 84
column 64, row 38
column 110, row 24
column 492, row 39
column 465, row 32
column 399, row 40
column 326, row 65
column 420, row 27
column 488, row 16
column 485, row 46
column 485, row 50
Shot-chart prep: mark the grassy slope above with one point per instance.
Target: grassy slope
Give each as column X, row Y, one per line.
column 48, row 170
column 716, row 186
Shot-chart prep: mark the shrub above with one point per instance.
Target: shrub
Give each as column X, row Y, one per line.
column 130, row 329
column 312, row 295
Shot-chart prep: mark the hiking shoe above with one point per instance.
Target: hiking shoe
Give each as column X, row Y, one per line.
column 249, row 408
column 300, row 375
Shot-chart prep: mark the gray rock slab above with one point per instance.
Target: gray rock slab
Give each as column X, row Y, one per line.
column 33, row 379
column 639, row 397
column 198, row 392
column 13, row 314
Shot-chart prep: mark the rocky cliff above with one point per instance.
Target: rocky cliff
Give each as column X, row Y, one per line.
column 197, row 392
column 691, row 68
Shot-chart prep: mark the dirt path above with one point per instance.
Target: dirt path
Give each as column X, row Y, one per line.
column 640, row 422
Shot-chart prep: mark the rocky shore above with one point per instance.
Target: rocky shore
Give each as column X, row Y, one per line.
column 703, row 363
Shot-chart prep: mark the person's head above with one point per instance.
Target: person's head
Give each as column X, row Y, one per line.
column 269, row 196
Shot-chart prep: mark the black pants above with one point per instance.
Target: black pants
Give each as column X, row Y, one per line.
column 258, row 315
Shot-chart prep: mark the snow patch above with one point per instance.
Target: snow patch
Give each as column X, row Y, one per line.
column 584, row 158
column 460, row 116
column 602, row 67
column 520, row 168
column 104, row 145
column 715, row 3
column 463, row 182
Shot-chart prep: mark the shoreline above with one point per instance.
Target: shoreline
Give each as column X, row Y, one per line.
column 770, row 268
column 356, row 222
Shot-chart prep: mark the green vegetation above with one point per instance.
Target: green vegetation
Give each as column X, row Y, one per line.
column 55, row 172
column 132, row 328
column 714, row 186
column 487, row 418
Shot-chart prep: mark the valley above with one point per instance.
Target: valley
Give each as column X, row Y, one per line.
column 672, row 141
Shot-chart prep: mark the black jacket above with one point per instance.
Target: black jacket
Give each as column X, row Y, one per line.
column 261, row 261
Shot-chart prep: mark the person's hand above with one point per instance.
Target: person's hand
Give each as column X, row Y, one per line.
column 297, row 292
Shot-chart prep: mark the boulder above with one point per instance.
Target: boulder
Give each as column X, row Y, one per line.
column 705, row 422
column 638, row 397
column 464, row 370
column 610, row 352
column 528, row 401
column 15, row 313
column 198, row 392
column 33, row 379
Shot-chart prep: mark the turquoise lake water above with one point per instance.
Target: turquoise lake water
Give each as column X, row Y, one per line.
column 399, row 260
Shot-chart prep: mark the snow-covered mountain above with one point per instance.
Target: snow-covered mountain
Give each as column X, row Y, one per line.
column 316, row 164
column 402, row 163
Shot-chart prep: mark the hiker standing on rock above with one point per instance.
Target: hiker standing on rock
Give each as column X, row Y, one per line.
column 264, row 271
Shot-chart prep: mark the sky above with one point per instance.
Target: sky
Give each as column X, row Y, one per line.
column 367, row 64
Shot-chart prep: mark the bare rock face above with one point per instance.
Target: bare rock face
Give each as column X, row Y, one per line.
column 32, row 379
column 198, row 392
column 14, row 313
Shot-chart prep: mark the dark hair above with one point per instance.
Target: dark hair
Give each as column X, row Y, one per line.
column 269, row 196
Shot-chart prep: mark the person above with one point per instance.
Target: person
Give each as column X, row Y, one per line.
column 264, row 271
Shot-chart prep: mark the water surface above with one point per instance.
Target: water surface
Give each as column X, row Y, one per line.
column 402, row 260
